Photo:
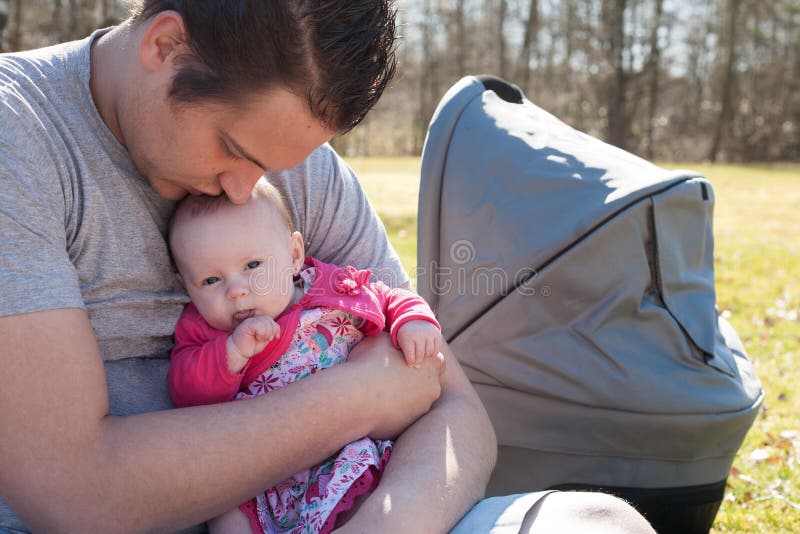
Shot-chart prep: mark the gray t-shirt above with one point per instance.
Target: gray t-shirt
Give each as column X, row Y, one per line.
column 81, row 228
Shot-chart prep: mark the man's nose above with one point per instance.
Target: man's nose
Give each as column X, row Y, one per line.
column 239, row 185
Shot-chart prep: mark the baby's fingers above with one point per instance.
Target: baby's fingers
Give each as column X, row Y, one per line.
column 266, row 329
column 273, row 330
column 433, row 346
column 408, row 346
column 427, row 347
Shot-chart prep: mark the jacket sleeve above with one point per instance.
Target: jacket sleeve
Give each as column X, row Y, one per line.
column 198, row 371
column 401, row 306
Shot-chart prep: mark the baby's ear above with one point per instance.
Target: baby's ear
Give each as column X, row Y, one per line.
column 298, row 251
column 179, row 278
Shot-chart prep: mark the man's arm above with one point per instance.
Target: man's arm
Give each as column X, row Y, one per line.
column 66, row 465
column 439, row 466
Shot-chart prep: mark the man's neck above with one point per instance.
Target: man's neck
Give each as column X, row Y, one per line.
column 110, row 63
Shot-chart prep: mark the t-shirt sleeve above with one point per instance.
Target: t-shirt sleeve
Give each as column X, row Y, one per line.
column 338, row 223
column 36, row 271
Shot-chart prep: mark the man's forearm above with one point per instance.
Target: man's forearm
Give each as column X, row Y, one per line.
column 168, row 470
column 439, row 466
column 65, row 465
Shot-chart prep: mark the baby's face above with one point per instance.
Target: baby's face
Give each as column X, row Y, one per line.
column 237, row 262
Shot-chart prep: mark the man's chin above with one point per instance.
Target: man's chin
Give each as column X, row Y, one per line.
column 168, row 190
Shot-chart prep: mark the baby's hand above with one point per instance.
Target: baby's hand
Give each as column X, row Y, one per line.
column 418, row 340
column 250, row 338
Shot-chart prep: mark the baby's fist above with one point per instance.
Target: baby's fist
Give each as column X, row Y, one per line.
column 418, row 340
column 250, row 338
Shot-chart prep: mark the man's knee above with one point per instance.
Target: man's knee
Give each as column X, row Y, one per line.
column 584, row 512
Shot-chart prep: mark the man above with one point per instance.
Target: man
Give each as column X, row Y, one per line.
column 99, row 138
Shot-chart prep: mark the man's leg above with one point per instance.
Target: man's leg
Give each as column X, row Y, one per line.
column 553, row 512
column 584, row 512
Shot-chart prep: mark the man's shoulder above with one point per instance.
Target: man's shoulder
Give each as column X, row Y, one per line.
column 51, row 75
column 322, row 166
column 32, row 73
column 32, row 85
column 41, row 100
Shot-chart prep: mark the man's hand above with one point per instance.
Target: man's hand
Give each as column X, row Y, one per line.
column 250, row 338
column 401, row 395
column 419, row 340
column 449, row 452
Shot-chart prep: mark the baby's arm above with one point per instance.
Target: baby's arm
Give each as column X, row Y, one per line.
column 411, row 321
column 419, row 339
column 249, row 338
column 232, row 521
column 198, row 367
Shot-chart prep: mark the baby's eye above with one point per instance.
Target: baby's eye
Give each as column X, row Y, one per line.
column 210, row 280
column 253, row 264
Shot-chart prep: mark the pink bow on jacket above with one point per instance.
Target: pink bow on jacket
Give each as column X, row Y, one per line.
column 349, row 280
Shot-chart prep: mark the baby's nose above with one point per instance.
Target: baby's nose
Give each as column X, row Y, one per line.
column 238, row 289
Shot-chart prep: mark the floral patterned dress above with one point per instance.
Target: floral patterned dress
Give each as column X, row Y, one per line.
column 310, row 501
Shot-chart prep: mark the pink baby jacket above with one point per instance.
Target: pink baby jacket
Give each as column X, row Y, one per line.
column 199, row 371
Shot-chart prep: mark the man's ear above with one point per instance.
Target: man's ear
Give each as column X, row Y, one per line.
column 164, row 38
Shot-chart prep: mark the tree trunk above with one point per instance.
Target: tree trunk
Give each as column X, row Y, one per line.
column 728, row 81
column 429, row 77
column 528, row 45
column 461, row 40
column 56, row 22
column 101, row 14
column 3, row 22
column 73, row 18
column 565, row 78
column 15, row 35
column 614, row 26
column 653, row 64
column 502, row 11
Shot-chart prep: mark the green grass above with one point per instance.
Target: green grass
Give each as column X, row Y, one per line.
column 757, row 253
column 392, row 185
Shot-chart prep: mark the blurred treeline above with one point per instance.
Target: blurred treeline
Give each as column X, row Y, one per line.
column 673, row 80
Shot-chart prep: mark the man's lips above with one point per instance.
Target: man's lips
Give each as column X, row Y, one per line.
column 242, row 315
column 194, row 191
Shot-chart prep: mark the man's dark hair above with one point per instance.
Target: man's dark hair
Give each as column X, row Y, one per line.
column 339, row 54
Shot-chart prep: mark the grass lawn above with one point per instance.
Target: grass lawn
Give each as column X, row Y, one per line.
column 757, row 252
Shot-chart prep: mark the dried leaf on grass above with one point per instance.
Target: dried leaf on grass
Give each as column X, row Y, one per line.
column 764, row 455
column 759, row 455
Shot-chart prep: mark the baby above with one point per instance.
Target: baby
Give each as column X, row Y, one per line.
column 262, row 316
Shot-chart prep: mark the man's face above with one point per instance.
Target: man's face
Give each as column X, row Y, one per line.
column 211, row 149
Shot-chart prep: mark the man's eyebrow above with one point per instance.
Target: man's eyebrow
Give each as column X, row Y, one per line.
column 242, row 151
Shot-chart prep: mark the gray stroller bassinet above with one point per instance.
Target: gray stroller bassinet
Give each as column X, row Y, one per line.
column 575, row 284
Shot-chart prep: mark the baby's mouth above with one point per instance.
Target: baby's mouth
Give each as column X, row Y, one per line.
column 242, row 315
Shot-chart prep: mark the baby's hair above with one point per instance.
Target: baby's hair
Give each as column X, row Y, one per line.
column 198, row 205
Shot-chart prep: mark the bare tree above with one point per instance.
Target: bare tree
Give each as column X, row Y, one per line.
column 613, row 19
column 3, row 21
column 653, row 66
column 15, row 35
column 728, row 80
column 101, row 13
column 460, row 38
column 429, row 76
column 529, row 45
column 73, row 19
column 502, row 12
